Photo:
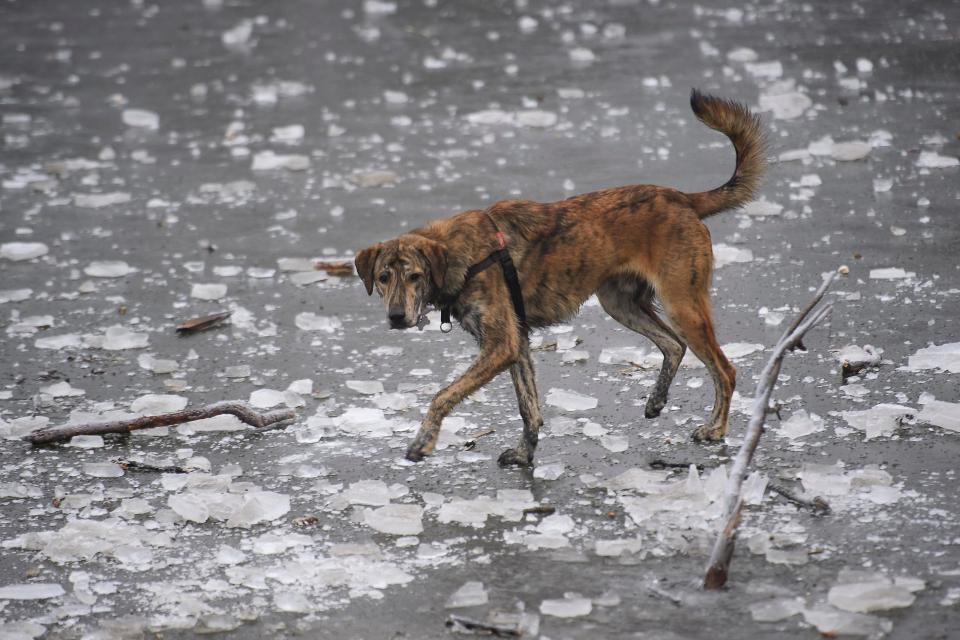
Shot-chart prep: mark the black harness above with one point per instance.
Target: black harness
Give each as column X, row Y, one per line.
column 502, row 256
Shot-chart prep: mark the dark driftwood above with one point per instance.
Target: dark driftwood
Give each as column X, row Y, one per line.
column 241, row 410
column 718, row 567
column 817, row 505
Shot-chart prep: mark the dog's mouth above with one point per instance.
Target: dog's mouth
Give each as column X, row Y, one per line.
column 421, row 322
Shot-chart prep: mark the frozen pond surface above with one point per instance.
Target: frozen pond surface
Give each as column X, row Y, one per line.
column 165, row 161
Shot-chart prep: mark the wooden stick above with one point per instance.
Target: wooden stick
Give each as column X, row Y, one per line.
column 718, row 566
column 818, row 505
column 241, row 410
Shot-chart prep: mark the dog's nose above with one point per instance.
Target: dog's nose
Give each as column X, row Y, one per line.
column 397, row 317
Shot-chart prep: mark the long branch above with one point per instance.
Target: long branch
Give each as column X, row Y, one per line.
column 718, row 566
column 241, row 410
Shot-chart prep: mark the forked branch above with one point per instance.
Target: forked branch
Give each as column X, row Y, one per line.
column 719, row 565
column 241, row 410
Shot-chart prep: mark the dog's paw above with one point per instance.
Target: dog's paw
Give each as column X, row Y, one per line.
column 653, row 409
column 514, row 458
column 704, row 433
column 415, row 453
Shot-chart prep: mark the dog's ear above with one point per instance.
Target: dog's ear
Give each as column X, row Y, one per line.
column 365, row 261
column 436, row 255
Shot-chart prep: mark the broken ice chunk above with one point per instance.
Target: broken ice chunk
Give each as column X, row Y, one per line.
column 102, row 469
column 368, row 492
column 850, row 151
column 153, row 404
column 776, row 609
column 156, row 365
column 615, row 443
column 800, row 424
column 945, row 415
column 269, row 161
column 267, row 398
column 99, row 200
column 108, row 269
column 15, row 295
column 834, row 622
column 615, row 548
column 762, row 208
column 141, row 118
column 471, row 594
column 639, row 356
column 735, row 350
column 374, row 178
column 32, row 591
column 18, row 251
column 890, row 273
column 212, row 291
column 308, row 321
column 61, row 390
column 549, row 470
column 724, row 254
column 570, row 400
column 933, row 160
column 881, row 420
column 536, row 118
column 293, row 602
column 259, row 506
column 570, row 606
column 877, row 594
column 785, row 105
column 189, row 507
column 86, row 442
column 943, row 356
column 365, row 387
column 396, row 519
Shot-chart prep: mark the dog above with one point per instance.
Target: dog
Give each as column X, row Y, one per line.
column 632, row 246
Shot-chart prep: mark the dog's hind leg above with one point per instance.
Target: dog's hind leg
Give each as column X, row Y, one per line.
column 687, row 305
column 629, row 300
column 525, row 384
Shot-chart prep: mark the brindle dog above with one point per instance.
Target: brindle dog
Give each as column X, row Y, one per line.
column 629, row 245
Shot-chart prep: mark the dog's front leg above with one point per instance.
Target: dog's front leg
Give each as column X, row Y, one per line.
column 525, row 384
column 495, row 356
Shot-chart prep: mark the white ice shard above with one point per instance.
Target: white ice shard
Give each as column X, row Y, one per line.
column 471, row 594
column 549, row 470
column 641, row 356
column 938, row 356
column 269, row 161
column 148, row 362
column 365, row 387
column 141, row 118
column 799, row 424
column 735, row 350
column 776, row 609
column 292, row 602
column 102, row 469
column 582, row 55
column 615, row 443
column 850, row 150
column 762, row 208
column 108, row 269
column 19, row 251
column 536, row 118
column 266, row 398
column 933, row 160
column 639, row 480
column 364, row 421
column 834, row 622
column 153, row 404
column 939, row 413
column 874, row 594
column 724, row 255
column 189, row 506
column 99, row 200
column 570, row 400
column 368, row 492
column 290, row 134
column 238, row 35
column 891, row 273
column 570, row 606
column 881, row 420
column 308, row 321
column 61, row 390
column 259, row 506
column 117, row 338
column 785, row 105
column 208, row 291
column 618, row 547
column 15, row 295
column 31, row 591
column 396, row 519
column 770, row 70
column 374, row 178
column 856, row 357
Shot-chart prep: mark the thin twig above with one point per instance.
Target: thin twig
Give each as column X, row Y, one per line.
column 241, row 410
column 472, row 442
column 660, row 465
column 818, row 505
column 718, row 567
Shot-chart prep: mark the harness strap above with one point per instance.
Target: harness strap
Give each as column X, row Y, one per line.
column 510, row 275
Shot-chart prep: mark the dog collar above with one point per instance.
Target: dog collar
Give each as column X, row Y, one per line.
column 502, row 256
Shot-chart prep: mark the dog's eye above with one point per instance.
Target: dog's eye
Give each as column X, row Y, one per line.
column 384, row 278
column 415, row 277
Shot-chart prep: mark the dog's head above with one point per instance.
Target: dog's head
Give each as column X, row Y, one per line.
column 407, row 272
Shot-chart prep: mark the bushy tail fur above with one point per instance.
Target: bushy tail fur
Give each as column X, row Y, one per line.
column 737, row 122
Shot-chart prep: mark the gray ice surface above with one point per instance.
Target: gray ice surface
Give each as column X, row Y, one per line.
column 161, row 161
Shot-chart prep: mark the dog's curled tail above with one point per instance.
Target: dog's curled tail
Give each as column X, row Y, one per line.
column 743, row 128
